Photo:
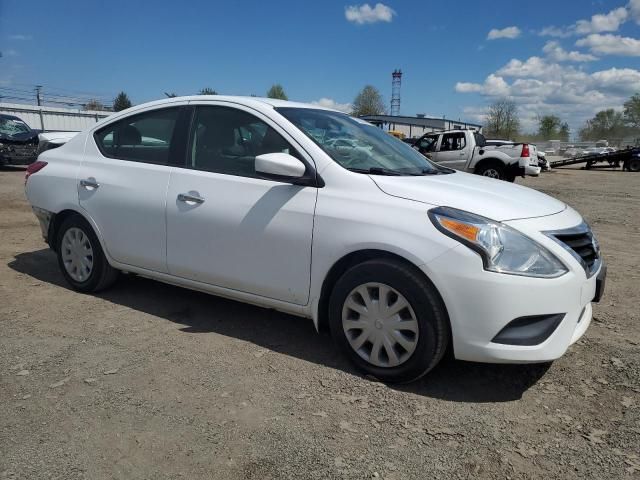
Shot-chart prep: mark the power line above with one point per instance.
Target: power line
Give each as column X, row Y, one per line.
column 43, row 95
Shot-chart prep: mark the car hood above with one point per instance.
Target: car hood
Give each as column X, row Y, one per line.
column 494, row 199
column 19, row 138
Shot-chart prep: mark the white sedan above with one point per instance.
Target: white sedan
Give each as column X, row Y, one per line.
column 400, row 258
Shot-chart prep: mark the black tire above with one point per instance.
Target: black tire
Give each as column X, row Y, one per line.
column 509, row 177
column 493, row 170
column 102, row 274
column 433, row 323
column 634, row 165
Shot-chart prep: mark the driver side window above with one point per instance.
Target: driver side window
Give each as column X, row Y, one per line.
column 226, row 140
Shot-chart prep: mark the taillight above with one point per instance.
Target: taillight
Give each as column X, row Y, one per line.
column 525, row 150
column 33, row 168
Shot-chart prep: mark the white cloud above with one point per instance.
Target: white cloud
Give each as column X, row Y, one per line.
column 611, row 45
column 552, row 31
column 620, row 81
column 10, row 53
column 361, row 14
column 601, row 22
column 468, row 87
column 556, row 53
column 19, row 36
column 331, row 103
column 609, row 22
column 541, row 87
column 493, row 86
column 508, row 32
column 532, row 67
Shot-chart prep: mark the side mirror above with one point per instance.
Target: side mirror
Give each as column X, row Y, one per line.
column 280, row 167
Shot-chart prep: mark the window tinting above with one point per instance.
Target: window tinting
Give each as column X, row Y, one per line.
column 227, row 140
column 145, row 137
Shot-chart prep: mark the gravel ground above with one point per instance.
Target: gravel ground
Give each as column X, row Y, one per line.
column 152, row 381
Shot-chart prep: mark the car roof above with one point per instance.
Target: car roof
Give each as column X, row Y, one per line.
column 243, row 100
column 10, row 117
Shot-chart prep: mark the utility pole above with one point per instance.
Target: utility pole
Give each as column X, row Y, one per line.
column 38, row 90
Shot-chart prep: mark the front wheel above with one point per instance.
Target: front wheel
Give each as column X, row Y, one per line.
column 389, row 320
column 81, row 258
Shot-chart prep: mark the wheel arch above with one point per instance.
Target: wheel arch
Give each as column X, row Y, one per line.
column 487, row 161
column 61, row 216
column 321, row 317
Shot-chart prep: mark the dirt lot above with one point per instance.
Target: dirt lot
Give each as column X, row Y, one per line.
column 153, row 381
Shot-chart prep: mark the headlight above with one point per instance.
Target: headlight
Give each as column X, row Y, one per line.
column 502, row 248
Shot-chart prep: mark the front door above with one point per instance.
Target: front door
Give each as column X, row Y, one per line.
column 122, row 184
column 453, row 151
column 228, row 227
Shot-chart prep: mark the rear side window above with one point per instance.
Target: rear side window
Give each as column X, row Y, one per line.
column 146, row 137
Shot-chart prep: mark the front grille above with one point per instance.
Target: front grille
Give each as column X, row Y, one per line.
column 580, row 242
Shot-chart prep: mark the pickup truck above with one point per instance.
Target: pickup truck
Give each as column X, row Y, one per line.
column 468, row 151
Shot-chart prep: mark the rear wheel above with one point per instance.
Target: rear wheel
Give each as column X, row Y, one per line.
column 493, row 170
column 634, row 165
column 388, row 320
column 81, row 258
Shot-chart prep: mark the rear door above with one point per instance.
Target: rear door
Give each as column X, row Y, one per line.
column 123, row 181
column 453, row 151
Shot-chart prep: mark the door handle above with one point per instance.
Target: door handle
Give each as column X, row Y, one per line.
column 89, row 184
column 188, row 198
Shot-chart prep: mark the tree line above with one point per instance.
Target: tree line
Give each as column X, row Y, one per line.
column 122, row 100
column 368, row 101
column 503, row 121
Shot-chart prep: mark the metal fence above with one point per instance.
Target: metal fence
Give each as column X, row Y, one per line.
column 53, row 118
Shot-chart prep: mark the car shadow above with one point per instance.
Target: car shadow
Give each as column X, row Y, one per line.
column 197, row 312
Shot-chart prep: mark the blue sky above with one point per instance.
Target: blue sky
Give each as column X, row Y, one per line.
column 452, row 65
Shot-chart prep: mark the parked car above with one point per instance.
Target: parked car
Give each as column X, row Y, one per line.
column 51, row 140
column 468, row 151
column 400, row 257
column 18, row 142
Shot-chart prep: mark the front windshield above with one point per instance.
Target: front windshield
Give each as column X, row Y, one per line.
column 13, row 126
column 359, row 146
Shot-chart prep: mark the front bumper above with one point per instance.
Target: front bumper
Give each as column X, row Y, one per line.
column 481, row 304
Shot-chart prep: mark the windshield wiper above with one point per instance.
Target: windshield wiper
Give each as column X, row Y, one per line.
column 376, row 171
